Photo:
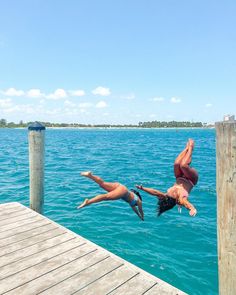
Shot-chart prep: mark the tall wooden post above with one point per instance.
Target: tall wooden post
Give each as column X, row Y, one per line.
column 226, row 205
column 36, row 166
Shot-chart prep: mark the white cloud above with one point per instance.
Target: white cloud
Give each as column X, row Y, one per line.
column 35, row 93
column 85, row 105
column 58, row 94
column 129, row 96
column 82, row 111
column 77, row 92
column 13, row 92
column 69, row 103
column 158, row 99
column 70, row 111
column 29, row 109
column 208, row 105
column 101, row 104
column 11, row 110
column 53, row 111
column 175, row 100
column 152, row 116
column 5, row 103
column 25, row 109
column 101, row 91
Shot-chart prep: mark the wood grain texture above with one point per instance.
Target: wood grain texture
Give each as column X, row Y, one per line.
column 38, row 256
column 226, row 205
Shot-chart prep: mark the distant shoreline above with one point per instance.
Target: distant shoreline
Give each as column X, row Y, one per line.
column 140, row 125
column 107, row 128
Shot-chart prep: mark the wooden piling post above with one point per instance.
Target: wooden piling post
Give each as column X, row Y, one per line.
column 36, row 166
column 226, row 205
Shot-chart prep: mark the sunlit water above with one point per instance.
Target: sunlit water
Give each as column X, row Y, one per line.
column 174, row 247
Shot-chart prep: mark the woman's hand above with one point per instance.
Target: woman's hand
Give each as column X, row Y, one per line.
column 193, row 212
column 139, row 186
column 188, row 205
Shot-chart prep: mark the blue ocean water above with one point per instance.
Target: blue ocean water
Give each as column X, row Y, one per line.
column 175, row 247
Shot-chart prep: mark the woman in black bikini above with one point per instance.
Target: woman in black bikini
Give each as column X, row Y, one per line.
column 115, row 191
column 186, row 179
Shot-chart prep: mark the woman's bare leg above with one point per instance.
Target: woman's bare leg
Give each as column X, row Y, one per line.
column 111, row 196
column 177, row 170
column 189, row 173
column 107, row 186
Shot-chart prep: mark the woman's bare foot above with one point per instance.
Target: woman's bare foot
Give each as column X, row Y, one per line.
column 85, row 203
column 191, row 143
column 86, row 173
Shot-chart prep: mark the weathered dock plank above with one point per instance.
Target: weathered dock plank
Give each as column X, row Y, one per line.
column 86, row 276
column 162, row 290
column 37, row 229
column 110, row 281
column 137, row 283
column 7, row 206
column 16, row 218
column 36, row 248
column 33, row 240
column 62, row 274
column 4, row 214
column 31, row 218
column 38, row 256
column 26, row 225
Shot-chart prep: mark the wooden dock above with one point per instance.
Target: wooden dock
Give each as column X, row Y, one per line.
column 38, row 256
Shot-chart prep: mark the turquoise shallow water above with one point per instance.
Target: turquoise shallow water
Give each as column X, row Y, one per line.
column 175, row 247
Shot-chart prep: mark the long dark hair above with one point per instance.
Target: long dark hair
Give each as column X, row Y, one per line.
column 136, row 193
column 165, row 204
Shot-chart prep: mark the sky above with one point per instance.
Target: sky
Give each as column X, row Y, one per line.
column 117, row 62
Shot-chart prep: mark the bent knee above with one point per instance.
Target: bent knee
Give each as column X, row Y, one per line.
column 176, row 166
column 177, row 163
column 106, row 197
column 184, row 166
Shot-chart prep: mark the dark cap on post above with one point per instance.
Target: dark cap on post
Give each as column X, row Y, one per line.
column 36, row 126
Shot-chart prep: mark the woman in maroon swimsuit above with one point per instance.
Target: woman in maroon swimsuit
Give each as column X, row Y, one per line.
column 186, row 179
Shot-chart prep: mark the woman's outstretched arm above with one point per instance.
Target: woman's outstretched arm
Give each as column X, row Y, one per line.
column 151, row 191
column 189, row 206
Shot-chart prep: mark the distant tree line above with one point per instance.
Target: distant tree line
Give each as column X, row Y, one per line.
column 152, row 124
column 171, row 124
